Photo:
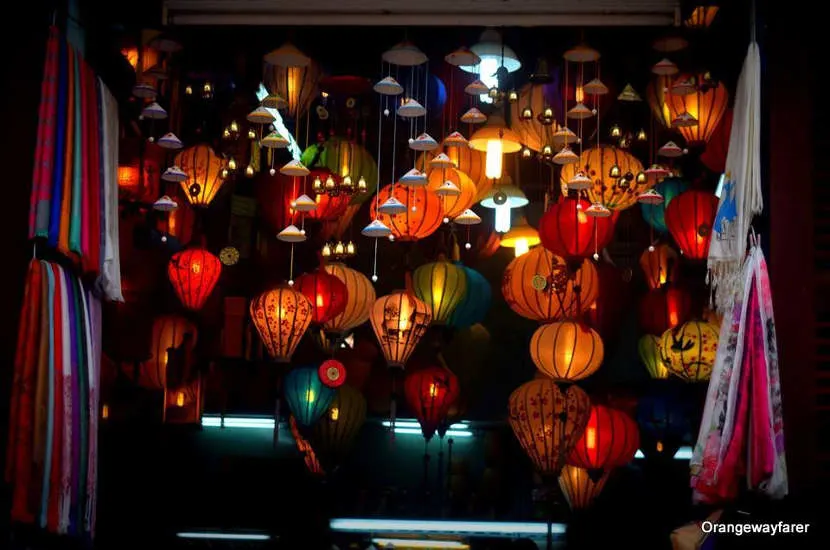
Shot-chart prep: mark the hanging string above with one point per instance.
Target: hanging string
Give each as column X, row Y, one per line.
column 377, row 188
column 426, row 95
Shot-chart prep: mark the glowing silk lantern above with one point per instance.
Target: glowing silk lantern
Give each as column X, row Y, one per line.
column 341, row 157
column 204, row 174
column 430, row 392
column 423, row 215
column 579, row 488
column 455, row 204
column 496, row 140
column 360, row 297
column 649, row 348
column 689, row 351
column 442, row 286
column 567, row 350
column 334, row 433
column 308, row 398
column 474, row 306
column 326, row 293
column 617, row 176
column 399, row 321
column 659, row 264
column 611, row 438
column 548, row 418
column 689, row 218
column 567, row 231
column 193, row 274
column 173, row 337
column 655, row 214
column 706, row 104
column 281, row 317
column 662, row 309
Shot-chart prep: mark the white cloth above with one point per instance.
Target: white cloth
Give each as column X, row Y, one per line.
column 110, row 279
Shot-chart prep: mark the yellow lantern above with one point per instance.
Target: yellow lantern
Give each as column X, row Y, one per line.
column 204, row 174
column 578, row 487
column 171, row 334
column 442, row 286
column 613, row 173
column 659, row 265
column 281, row 317
column 707, row 105
column 649, row 348
column 689, row 351
column 566, row 350
column 360, row 297
column 399, row 321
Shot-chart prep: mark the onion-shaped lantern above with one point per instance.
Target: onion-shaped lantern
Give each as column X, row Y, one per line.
column 706, row 105
column 422, row 217
column 611, row 438
column 689, row 351
column 548, row 418
column 442, row 286
column 204, row 174
column 341, row 157
column 655, row 214
column 689, row 218
column 474, row 306
column 659, row 264
column 430, row 392
column 193, row 274
column 579, row 488
column 333, row 434
column 173, row 337
column 566, row 350
column 649, row 348
column 281, row 317
column 614, row 173
column 360, row 297
column 662, row 309
column 567, row 231
column 307, row 396
column 326, row 293
column 399, row 321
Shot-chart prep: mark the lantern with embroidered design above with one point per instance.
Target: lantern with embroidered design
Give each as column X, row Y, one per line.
column 579, row 488
column 442, row 286
column 689, row 218
column 193, row 274
column 399, row 320
column 281, row 317
column 611, row 438
column 422, row 217
column 326, row 293
column 659, row 264
column 664, row 308
column 697, row 114
column 360, row 297
column 430, row 392
column 204, row 174
column 567, row 231
column 566, row 350
column 617, row 176
column 688, row 351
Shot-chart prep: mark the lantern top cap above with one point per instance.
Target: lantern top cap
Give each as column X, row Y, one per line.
column 287, row 55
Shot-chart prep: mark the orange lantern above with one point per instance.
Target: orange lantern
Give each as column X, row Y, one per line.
column 453, row 205
column 579, row 488
column 204, row 174
column 707, row 105
column 617, row 176
column 194, row 274
column 399, row 321
column 689, row 217
column 174, row 339
column 659, row 264
column 465, row 159
column 430, row 392
column 548, row 418
column 689, row 351
column 649, row 348
column 281, row 317
column 423, row 215
column 665, row 308
column 360, row 297
column 537, row 98
column 566, row 350
column 128, row 177
column 610, row 439
column 542, row 287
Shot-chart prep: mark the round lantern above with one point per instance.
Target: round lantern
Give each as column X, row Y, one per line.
column 466, row 160
column 649, row 349
column 659, row 264
column 566, row 350
column 537, row 98
column 655, row 214
column 611, row 438
column 334, row 433
column 204, row 174
column 308, row 398
column 614, row 173
column 689, row 351
column 171, row 334
column 662, row 309
column 542, row 287
column 453, row 205
column 194, row 274
column 689, row 218
column 281, row 317
column 442, row 286
column 399, row 321
column 360, row 297
column 422, row 217
column 326, row 293
column 475, row 304
column 579, row 488
column 430, row 392
column 548, row 418
column 567, row 231
column 343, row 157
column 706, row 104
column 299, row 86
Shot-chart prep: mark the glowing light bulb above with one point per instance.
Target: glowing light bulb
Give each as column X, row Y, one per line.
column 492, row 166
column 334, row 414
column 309, row 395
column 580, row 94
column 180, row 399
column 339, row 249
column 522, row 247
column 350, row 249
column 105, row 411
column 502, row 218
column 195, row 267
column 188, row 90
column 468, row 246
column 433, row 389
column 326, row 252
column 234, row 126
column 249, row 171
column 659, row 446
column 487, row 74
column 591, row 438
column 232, row 164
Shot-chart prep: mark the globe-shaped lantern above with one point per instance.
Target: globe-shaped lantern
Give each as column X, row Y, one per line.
column 430, row 392
column 307, row 397
column 171, row 334
column 649, row 348
column 399, row 320
column 474, row 306
column 334, row 433
column 566, row 350
column 611, row 438
column 707, row 105
column 567, row 231
column 422, row 217
column 689, row 218
column 689, row 351
column 281, row 317
column 193, row 274
column 579, row 488
column 662, row 309
column 326, row 293
column 617, row 176
column 453, row 204
column 204, row 174
column 360, row 297
column 659, row 265
column 655, row 214
column 442, row 286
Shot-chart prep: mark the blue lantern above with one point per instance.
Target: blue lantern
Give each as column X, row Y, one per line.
column 475, row 305
column 308, row 398
column 655, row 214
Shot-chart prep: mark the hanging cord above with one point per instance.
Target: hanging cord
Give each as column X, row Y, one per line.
column 377, row 188
column 426, row 95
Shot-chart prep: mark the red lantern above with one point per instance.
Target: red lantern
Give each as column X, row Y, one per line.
column 689, row 217
column 430, row 392
column 326, row 293
column 662, row 309
column 605, row 314
column 714, row 157
column 567, row 231
column 194, row 273
column 329, row 207
column 610, row 439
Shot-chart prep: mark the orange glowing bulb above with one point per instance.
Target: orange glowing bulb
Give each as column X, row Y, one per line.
column 180, row 399
column 659, row 446
column 591, row 438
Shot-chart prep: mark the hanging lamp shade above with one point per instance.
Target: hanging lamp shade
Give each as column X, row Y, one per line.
column 430, row 392
column 521, row 237
column 688, row 351
column 655, row 214
column 662, row 309
column 281, row 317
column 360, row 297
column 388, row 86
column 659, row 264
column 399, row 320
column 442, row 286
column 689, row 217
column 542, row 287
column 615, row 189
column 204, row 174
column 308, row 398
column 298, row 85
column 326, row 293
column 405, row 54
column 579, row 488
column 581, row 53
column 453, row 203
column 492, row 53
column 287, row 55
column 629, row 94
column 611, row 438
column 475, row 304
column 548, row 418
column 567, row 350
column 568, row 231
column 496, row 130
column 171, row 334
column 194, row 274
column 462, row 57
column 333, row 435
column 649, row 349
column 423, row 216
column 707, row 105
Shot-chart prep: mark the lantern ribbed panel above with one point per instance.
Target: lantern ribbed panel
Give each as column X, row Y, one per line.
column 559, row 298
column 649, row 348
column 567, row 231
column 655, row 214
column 611, row 438
column 664, row 308
column 441, row 286
column 597, row 163
column 548, row 418
column 204, row 174
column 326, row 293
column 566, row 350
column 423, row 215
column 297, row 85
column 532, row 132
column 194, row 274
column 333, row 435
column 430, row 392
column 343, row 157
column 281, row 317
column 689, row 351
column 457, row 204
column 465, row 159
column 360, row 297
column 578, row 487
column 307, row 397
column 706, row 106
column 474, row 306
column 659, row 265
column 169, row 333
column 689, row 218
column 399, row 321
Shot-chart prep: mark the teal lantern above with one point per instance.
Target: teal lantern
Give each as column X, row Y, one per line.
column 655, row 214
column 307, row 396
column 476, row 303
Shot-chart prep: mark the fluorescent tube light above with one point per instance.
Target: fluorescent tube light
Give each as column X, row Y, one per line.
column 419, row 543
column 207, row 535
column 417, row 431
column 279, row 125
column 478, row 528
